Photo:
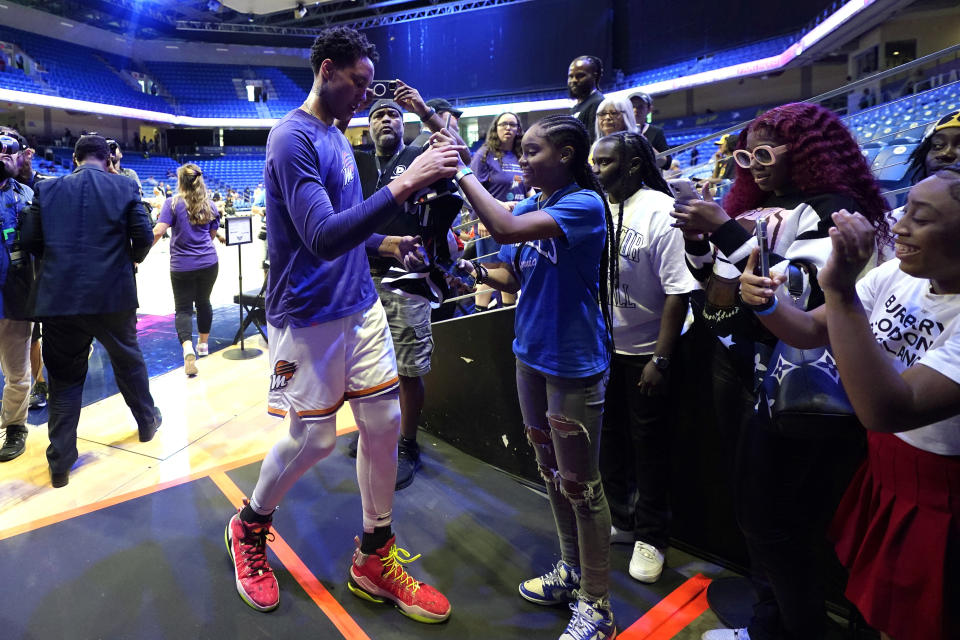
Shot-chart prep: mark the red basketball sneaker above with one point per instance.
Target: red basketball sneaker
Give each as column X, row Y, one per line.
column 247, row 546
column 380, row 576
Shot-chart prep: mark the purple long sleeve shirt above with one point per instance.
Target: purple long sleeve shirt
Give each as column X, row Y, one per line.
column 317, row 223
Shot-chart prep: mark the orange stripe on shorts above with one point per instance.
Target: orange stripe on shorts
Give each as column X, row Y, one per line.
column 373, row 390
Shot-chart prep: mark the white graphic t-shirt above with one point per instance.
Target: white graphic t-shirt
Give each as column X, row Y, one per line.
column 652, row 266
column 914, row 325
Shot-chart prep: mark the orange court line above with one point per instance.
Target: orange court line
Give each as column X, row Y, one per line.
column 123, row 497
column 304, row 577
column 139, row 493
column 681, row 619
column 662, row 614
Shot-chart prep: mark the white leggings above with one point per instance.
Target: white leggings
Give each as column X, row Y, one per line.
column 311, row 440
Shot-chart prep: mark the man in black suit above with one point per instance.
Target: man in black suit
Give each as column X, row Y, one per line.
column 90, row 228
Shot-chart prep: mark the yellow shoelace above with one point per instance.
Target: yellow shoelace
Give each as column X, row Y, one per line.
column 393, row 568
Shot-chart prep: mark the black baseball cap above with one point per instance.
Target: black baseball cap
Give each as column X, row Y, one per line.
column 384, row 104
column 91, row 145
column 442, row 105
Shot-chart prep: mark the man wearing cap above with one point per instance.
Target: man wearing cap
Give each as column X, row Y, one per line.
column 89, row 228
column 642, row 108
column 16, row 276
column 723, row 168
column 29, row 177
column 408, row 318
column 443, row 109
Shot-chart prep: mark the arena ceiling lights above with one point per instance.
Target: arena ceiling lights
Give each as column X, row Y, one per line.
column 834, row 21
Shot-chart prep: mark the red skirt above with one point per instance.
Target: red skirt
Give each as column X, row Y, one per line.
column 897, row 530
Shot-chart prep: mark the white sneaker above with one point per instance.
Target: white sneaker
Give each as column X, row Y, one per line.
column 726, row 634
column 619, row 536
column 190, row 364
column 203, row 349
column 646, row 565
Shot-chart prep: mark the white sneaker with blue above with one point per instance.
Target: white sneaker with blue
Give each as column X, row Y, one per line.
column 591, row 620
column 726, row 634
column 559, row 586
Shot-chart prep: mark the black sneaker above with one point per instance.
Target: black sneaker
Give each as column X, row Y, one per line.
column 408, row 462
column 146, row 435
column 353, row 444
column 15, row 443
column 38, row 396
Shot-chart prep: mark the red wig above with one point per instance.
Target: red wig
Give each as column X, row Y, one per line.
column 824, row 158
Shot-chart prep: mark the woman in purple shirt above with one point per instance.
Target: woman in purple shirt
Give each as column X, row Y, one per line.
column 193, row 221
column 496, row 165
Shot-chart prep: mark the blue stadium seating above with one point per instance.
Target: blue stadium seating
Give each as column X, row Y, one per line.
column 231, row 171
column 81, row 73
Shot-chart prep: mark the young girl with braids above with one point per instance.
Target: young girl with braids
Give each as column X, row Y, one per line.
column 648, row 310
column 556, row 251
column 796, row 165
column 194, row 220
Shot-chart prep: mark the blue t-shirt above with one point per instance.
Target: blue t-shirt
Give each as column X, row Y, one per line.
column 309, row 176
column 559, row 327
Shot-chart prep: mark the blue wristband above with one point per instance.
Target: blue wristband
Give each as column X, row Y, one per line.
column 765, row 311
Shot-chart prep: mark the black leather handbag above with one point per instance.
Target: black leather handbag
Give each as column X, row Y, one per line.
column 802, row 392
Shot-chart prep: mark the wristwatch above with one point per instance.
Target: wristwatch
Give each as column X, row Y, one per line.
column 661, row 363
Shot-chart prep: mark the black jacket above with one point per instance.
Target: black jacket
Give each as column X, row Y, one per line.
column 89, row 227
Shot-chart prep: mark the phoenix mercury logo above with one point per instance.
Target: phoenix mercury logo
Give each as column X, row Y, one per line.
column 349, row 168
column 282, row 372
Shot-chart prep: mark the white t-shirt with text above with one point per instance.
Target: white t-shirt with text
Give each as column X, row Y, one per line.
column 652, row 266
column 915, row 326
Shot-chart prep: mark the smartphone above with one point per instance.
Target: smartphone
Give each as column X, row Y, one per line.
column 764, row 250
column 383, row 88
column 683, row 189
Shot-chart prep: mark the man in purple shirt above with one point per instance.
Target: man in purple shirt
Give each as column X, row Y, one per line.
column 329, row 339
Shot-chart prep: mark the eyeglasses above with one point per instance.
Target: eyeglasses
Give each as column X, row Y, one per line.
column 609, row 114
column 764, row 155
column 507, row 125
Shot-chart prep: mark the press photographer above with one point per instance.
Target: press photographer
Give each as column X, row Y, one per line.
column 16, row 278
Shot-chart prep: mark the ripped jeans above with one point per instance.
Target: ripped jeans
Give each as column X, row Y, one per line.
column 563, row 418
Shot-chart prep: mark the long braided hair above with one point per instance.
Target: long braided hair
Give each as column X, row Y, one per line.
column 567, row 131
column 632, row 145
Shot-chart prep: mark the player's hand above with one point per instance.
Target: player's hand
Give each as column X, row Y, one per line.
column 409, row 252
column 433, row 164
column 448, row 136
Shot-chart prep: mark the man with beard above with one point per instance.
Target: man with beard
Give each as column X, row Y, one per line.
column 409, row 318
column 15, row 280
column 29, row 177
column 583, row 80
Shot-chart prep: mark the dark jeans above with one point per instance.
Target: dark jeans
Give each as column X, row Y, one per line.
column 563, row 418
column 635, row 454
column 66, row 347
column 787, row 491
column 192, row 288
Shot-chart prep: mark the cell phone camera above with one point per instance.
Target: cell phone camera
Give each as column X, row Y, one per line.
column 383, row 88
